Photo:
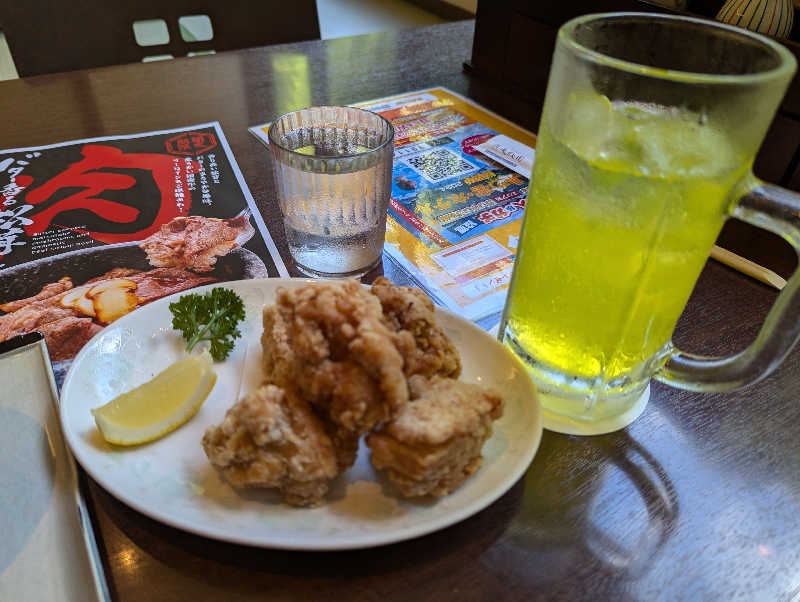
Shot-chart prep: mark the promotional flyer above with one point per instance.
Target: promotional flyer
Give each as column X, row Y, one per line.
column 92, row 229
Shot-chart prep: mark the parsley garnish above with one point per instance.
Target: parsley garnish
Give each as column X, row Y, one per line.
column 211, row 317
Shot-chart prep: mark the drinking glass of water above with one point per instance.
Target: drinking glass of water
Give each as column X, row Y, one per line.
column 333, row 170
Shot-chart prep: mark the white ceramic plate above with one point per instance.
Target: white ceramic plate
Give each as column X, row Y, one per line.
column 172, row 481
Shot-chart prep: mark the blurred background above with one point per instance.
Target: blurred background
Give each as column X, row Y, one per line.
column 337, row 18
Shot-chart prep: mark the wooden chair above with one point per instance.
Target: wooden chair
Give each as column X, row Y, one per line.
column 47, row 36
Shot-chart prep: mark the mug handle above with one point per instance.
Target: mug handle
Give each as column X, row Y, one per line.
column 777, row 210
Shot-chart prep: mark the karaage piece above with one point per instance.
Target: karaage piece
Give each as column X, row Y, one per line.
column 425, row 347
column 345, row 442
column 329, row 340
column 434, row 443
column 195, row 242
column 280, row 365
column 271, row 439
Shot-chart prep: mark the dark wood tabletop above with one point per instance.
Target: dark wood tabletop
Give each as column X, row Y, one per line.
column 699, row 499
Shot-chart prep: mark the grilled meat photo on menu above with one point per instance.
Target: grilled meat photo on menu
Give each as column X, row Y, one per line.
column 195, row 242
column 182, row 253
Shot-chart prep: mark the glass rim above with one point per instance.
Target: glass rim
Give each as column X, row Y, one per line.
column 786, row 66
column 273, row 139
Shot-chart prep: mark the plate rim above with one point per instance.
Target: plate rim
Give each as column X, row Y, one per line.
column 339, row 541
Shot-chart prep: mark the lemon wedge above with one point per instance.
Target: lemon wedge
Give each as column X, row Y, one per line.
column 158, row 406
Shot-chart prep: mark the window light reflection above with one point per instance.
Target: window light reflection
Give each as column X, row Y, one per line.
column 291, row 81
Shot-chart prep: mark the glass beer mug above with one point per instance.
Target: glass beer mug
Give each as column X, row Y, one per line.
column 647, row 139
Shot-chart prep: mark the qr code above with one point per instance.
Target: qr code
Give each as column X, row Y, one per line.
column 439, row 164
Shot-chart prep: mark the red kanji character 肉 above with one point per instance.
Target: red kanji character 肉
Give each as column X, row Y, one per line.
column 91, row 183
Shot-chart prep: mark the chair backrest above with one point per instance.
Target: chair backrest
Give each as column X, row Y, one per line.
column 47, row 36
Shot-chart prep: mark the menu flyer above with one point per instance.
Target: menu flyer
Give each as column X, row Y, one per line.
column 91, row 229
column 455, row 212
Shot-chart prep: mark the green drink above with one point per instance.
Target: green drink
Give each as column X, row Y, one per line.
column 649, row 130
column 624, row 207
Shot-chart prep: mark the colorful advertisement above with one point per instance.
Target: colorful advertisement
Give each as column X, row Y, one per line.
column 455, row 213
column 92, row 229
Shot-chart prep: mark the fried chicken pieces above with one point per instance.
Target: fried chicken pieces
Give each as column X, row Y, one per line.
column 434, row 442
column 425, row 348
column 330, row 342
column 272, row 439
column 195, row 242
column 342, row 361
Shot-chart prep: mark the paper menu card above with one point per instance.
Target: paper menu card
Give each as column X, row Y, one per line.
column 86, row 210
column 455, row 213
column 48, row 552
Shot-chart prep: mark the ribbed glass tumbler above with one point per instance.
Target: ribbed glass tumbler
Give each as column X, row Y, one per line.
column 333, row 174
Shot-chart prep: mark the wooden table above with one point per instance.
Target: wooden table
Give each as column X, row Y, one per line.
column 698, row 499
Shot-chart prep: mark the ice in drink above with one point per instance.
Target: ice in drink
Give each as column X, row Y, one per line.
column 624, row 207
